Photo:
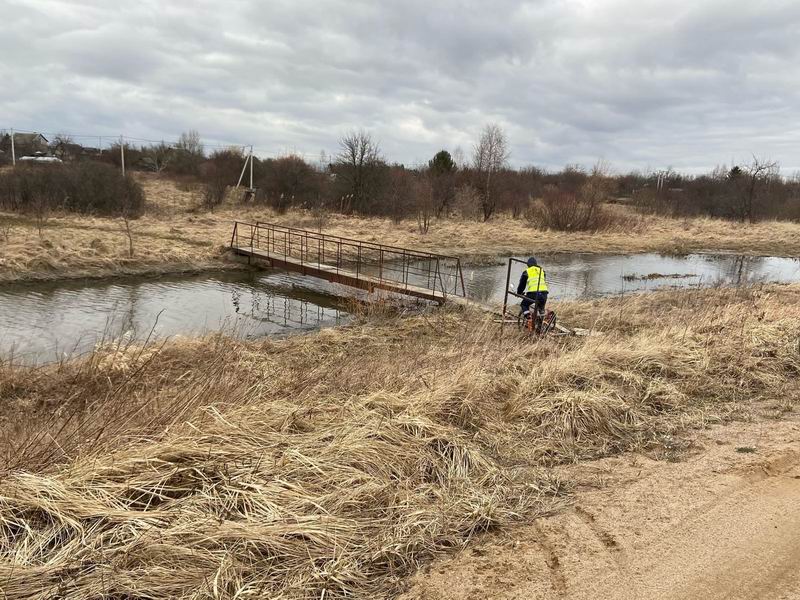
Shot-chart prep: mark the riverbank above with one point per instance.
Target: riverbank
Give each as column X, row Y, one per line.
column 174, row 237
column 340, row 462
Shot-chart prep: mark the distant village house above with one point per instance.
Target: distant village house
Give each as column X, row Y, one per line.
column 25, row 144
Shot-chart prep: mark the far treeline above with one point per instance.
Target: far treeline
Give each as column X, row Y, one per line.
column 359, row 179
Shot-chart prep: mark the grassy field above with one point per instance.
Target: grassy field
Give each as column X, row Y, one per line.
column 334, row 464
column 174, row 236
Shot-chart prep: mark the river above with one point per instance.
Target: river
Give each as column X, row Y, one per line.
column 44, row 322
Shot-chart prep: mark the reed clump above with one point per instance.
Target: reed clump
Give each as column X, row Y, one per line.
column 334, row 464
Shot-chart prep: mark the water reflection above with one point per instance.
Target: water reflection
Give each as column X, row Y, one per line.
column 42, row 322
column 573, row 276
column 46, row 321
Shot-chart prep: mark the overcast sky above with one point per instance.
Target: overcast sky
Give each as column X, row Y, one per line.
column 640, row 83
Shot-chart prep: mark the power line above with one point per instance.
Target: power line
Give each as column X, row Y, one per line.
column 110, row 140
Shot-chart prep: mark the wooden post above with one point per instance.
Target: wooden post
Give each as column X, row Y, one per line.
column 122, row 153
column 13, row 151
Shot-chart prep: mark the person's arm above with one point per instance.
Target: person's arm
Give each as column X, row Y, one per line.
column 523, row 281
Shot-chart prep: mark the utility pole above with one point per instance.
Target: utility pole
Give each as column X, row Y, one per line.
column 13, row 152
column 122, row 153
column 251, row 168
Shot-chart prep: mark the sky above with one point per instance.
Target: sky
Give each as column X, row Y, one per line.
column 640, row 84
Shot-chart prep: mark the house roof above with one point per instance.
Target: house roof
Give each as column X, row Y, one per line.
column 28, row 138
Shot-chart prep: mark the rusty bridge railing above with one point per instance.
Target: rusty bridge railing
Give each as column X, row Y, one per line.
column 344, row 260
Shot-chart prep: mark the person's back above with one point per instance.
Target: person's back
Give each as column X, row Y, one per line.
column 533, row 284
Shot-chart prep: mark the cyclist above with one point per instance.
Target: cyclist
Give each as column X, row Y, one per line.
column 532, row 283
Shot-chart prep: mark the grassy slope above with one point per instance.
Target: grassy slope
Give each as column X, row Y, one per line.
column 172, row 238
column 341, row 460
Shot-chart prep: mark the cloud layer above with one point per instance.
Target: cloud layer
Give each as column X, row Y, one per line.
column 640, row 83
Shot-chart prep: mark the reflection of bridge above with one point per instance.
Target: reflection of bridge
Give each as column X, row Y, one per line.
column 286, row 312
column 356, row 263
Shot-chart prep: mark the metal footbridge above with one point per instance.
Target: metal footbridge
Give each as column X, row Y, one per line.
column 356, row 263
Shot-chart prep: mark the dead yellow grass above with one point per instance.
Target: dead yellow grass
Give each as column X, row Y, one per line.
column 174, row 237
column 333, row 464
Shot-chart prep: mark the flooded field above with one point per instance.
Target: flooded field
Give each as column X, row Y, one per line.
column 44, row 322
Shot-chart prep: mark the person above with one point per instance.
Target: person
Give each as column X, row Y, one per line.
column 533, row 285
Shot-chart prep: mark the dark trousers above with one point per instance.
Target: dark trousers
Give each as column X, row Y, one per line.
column 540, row 298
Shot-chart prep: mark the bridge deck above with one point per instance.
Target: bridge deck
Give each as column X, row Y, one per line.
column 358, row 263
column 343, row 276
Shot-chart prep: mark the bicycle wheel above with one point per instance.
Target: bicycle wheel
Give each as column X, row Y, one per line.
column 549, row 323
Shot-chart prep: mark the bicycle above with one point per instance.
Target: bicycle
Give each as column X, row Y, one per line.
column 536, row 322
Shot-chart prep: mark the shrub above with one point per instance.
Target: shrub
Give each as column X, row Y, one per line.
column 288, row 181
column 84, row 187
column 566, row 211
column 221, row 170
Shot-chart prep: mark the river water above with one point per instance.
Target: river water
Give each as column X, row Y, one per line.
column 45, row 322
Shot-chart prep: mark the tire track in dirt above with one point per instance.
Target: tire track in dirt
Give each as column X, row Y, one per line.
column 723, row 524
column 558, row 581
column 604, row 536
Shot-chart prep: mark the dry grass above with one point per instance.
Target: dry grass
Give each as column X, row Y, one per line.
column 333, row 464
column 174, row 237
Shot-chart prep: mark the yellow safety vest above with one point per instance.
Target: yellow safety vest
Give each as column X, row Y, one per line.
column 536, row 282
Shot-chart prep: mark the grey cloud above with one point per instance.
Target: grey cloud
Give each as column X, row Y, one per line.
column 638, row 82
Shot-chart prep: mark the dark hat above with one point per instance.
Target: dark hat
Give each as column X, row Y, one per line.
column 532, row 261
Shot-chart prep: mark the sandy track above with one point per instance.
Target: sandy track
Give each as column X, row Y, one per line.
column 722, row 524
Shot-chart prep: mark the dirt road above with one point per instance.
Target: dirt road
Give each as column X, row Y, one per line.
column 724, row 523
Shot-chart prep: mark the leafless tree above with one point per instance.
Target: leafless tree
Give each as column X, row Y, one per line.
column 189, row 153
column 400, row 194
column 356, row 167
column 190, row 142
column 61, row 146
column 489, row 155
column 157, row 158
column 752, row 184
column 595, row 190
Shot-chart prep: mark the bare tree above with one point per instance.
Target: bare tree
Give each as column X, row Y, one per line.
column 595, row 190
column 156, row 158
column 752, row 184
column 62, row 145
column 190, row 142
column 356, row 167
column 189, row 153
column 489, row 156
column 400, row 194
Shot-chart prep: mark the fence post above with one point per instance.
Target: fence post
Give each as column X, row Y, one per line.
column 505, row 296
